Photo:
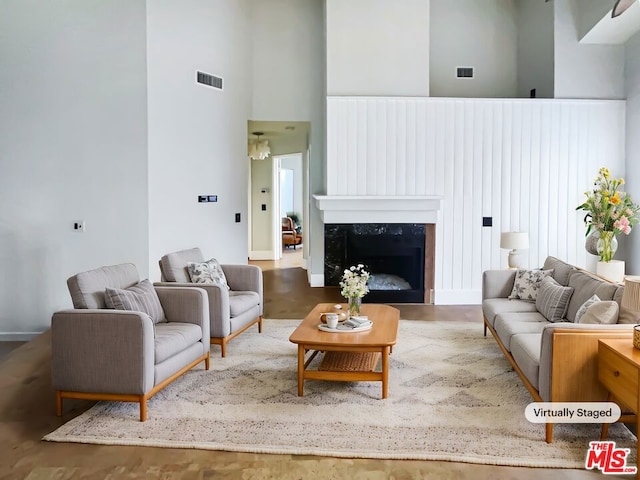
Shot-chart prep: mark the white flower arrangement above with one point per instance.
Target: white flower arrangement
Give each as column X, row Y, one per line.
column 354, row 282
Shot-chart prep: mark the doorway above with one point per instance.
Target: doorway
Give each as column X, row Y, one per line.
column 278, row 187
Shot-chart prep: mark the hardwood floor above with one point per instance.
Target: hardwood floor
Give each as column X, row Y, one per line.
column 27, row 413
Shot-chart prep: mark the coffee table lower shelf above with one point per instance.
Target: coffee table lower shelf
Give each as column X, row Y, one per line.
column 345, row 366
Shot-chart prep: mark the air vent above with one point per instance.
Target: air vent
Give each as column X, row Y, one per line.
column 210, row 80
column 464, row 72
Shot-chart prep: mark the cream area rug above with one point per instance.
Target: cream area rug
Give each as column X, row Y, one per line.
column 452, row 396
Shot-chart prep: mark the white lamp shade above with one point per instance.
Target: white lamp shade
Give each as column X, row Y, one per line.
column 514, row 240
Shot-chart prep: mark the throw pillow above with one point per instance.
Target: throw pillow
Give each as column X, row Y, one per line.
column 581, row 311
column 207, row 272
column 141, row 297
column 527, row 284
column 553, row 299
column 605, row 313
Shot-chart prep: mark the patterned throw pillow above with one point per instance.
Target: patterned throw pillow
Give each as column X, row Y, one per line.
column 527, row 284
column 583, row 309
column 207, row 272
column 553, row 299
column 141, row 297
column 601, row 313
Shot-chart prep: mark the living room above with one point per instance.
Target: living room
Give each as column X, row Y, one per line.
column 122, row 138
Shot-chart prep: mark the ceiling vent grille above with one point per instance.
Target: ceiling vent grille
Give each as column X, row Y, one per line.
column 464, row 72
column 209, row 80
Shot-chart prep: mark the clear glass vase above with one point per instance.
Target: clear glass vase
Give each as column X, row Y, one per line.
column 354, row 304
column 607, row 245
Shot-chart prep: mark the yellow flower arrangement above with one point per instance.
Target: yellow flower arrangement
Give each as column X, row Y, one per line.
column 608, row 208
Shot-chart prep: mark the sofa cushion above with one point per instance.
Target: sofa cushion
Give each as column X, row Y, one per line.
column 586, row 285
column 553, row 299
column 525, row 348
column 493, row 306
column 625, row 316
column 561, row 270
column 508, row 325
column 605, row 313
column 174, row 265
column 581, row 311
column 141, row 297
column 240, row 302
column 174, row 337
column 87, row 288
column 527, row 284
column 207, row 272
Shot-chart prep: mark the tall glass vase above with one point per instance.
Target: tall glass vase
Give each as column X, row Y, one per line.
column 354, row 306
column 607, row 245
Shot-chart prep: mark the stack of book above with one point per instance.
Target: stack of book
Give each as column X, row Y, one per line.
column 357, row 322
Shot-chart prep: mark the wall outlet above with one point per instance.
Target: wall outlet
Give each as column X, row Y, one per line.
column 79, row 226
column 237, row 218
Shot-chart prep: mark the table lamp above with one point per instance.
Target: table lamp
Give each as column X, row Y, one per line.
column 514, row 241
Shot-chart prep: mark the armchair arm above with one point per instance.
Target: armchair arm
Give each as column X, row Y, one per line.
column 102, row 351
column 219, row 312
column 569, row 360
column 497, row 283
column 244, row 277
column 187, row 305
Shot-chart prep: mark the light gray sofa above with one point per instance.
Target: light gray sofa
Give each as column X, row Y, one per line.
column 231, row 311
column 104, row 354
column 557, row 362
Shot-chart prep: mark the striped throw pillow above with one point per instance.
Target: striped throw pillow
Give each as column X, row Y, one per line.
column 553, row 299
column 141, row 297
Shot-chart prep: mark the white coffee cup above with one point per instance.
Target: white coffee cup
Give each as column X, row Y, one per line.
column 332, row 320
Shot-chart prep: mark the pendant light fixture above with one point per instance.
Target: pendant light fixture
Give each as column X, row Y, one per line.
column 259, row 149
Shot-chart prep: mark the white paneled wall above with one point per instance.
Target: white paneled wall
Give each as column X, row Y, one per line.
column 526, row 163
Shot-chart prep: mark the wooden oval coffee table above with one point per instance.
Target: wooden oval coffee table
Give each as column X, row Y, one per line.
column 345, row 351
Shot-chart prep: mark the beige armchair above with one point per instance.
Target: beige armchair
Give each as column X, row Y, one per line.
column 231, row 311
column 126, row 355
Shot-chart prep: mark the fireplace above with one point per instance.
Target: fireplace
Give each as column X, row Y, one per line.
column 395, row 236
column 396, row 254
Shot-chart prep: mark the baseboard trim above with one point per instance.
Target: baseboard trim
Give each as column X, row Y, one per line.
column 315, row 279
column 457, row 297
column 261, row 255
column 18, row 337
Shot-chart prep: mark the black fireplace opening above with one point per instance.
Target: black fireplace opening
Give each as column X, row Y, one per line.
column 393, row 253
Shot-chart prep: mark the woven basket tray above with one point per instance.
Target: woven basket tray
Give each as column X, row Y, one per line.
column 350, row 361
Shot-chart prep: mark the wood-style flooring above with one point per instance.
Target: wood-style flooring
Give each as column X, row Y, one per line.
column 27, row 412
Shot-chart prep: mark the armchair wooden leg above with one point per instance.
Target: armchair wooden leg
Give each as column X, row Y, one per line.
column 260, row 324
column 223, row 347
column 207, row 361
column 549, row 433
column 143, row 408
column 58, row 403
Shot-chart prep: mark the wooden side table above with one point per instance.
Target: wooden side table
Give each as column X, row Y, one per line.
column 619, row 372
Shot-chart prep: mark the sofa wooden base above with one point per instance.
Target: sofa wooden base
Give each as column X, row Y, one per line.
column 574, row 368
column 222, row 341
column 123, row 397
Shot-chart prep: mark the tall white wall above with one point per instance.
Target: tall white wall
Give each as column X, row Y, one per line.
column 377, row 47
column 526, row 163
column 197, row 134
column 288, row 85
column 584, row 71
column 73, row 136
column 469, row 33
column 535, row 48
column 632, row 82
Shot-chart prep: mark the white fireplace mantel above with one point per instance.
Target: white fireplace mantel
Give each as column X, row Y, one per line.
column 378, row 209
